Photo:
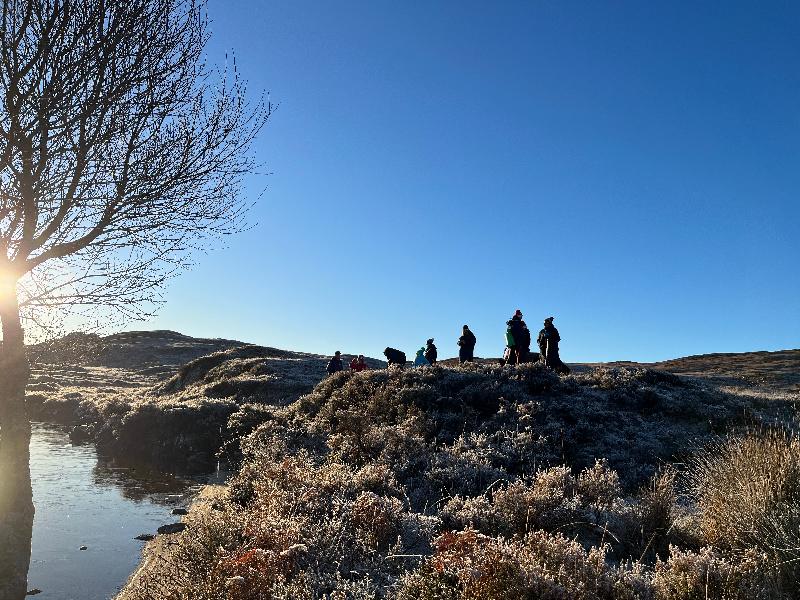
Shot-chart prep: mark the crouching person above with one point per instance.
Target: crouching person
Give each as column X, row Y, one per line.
column 358, row 364
column 395, row 357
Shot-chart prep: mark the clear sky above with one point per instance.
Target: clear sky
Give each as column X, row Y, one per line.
column 631, row 168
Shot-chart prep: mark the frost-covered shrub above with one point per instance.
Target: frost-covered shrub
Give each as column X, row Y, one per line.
column 469, row 565
column 707, row 575
column 599, row 484
column 475, row 482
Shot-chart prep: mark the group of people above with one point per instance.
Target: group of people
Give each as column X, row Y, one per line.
column 518, row 343
column 427, row 355
column 357, row 364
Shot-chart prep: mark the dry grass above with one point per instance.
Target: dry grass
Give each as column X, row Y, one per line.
column 747, row 489
column 470, row 481
column 477, row 482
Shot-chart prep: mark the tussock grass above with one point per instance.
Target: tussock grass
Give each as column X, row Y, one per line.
column 747, row 489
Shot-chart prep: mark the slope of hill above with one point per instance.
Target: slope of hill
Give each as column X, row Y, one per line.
column 480, row 481
column 776, row 370
column 470, row 481
column 134, row 350
column 162, row 396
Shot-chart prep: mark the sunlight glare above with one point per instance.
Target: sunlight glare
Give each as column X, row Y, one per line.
column 8, row 283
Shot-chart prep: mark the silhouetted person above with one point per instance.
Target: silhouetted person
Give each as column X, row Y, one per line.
column 548, row 346
column 395, row 357
column 466, row 343
column 430, row 351
column 518, row 339
column 335, row 363
column 420, row 360
column 358, row 364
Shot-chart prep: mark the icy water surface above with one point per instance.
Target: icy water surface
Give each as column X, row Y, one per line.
column 83, row 500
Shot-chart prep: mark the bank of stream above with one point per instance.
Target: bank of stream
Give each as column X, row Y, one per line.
column 88, row 501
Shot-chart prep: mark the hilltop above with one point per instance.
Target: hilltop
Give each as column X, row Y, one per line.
column 473, row 481
column 176, row 400
column 481, row 481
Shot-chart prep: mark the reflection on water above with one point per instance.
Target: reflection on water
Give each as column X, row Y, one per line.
column 85, row 501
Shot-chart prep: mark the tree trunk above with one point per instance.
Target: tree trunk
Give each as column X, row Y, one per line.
column 16, row 494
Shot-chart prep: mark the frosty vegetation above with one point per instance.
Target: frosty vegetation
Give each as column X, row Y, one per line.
column 484, row 482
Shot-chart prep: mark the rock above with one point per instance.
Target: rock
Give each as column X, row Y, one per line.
column 180, row 511
column 144, row 537
column 80, row 434
column 33, row 592
column 172, row 528
column 83, row 548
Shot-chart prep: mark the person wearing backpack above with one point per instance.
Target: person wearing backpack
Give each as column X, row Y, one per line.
column 518, row 339
column 430, row 352
column 466, row 343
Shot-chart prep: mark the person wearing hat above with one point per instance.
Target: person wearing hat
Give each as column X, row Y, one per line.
column 466, row 343
column 430, row 352
column 335, row 363
column 420, row 360
column 518, row 339
column 548, row 345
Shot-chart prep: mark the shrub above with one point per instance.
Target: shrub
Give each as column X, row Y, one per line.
column 599, row 485
column 748, row 492
column 707, row 575
column 469, row 565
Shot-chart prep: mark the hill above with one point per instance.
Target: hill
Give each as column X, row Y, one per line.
column 161, row 396
column 481, row 481
column 776, row 370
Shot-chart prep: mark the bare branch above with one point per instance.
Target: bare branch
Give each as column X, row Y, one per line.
column 121, row 153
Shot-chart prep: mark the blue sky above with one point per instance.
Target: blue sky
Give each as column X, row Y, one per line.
column 631, row 168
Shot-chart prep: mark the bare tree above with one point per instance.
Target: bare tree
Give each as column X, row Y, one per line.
column 121, row 154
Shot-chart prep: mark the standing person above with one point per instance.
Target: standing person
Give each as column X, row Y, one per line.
column 518, row 339
column 466, row 344
column 420, row 360
column 548, row 345
column 335, row 363
column 395, row 357
column 358, row 364
column 430, row 352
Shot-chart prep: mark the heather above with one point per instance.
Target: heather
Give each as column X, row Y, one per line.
column 492, row 482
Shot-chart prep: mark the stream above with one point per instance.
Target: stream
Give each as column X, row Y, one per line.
column 84, row 500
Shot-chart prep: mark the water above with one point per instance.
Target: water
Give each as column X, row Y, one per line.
column 85, row 500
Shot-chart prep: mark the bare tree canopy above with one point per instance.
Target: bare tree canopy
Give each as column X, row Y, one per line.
column 121, row 152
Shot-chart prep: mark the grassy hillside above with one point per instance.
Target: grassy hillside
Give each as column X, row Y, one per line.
column 666, row 482
column 162, row 397
column 488, row 482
